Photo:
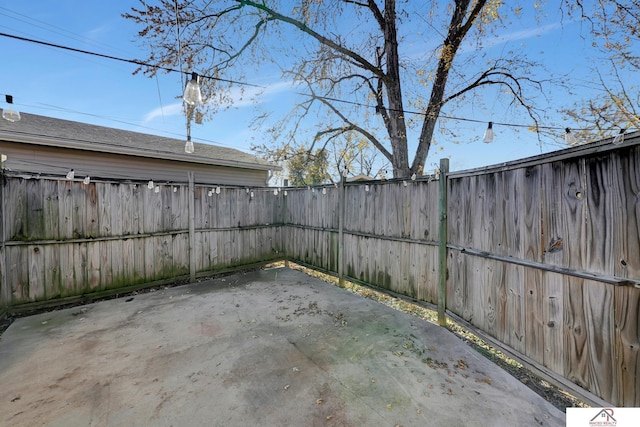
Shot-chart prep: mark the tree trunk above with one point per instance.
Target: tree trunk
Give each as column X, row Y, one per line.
column 396, row 126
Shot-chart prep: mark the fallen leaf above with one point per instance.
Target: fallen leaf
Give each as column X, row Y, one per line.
column 319, row 401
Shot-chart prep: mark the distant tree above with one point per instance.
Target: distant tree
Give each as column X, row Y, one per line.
column 385, row 57
column 308, row 168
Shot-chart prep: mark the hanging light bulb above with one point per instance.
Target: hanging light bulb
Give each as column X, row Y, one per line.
column 569, row 139
column 345, row 172
column 404, row 183
column 150, row 184
column 488, row 134
column 192, row 94
column 10, row 114
column 188, row 148
column 217, row 190
column 619, row 138
column 275, row 192
column 86, row 180
column 324, row 190
column 175, row 189
column 366, row 187
column 413, row 177
column 285, row 192
column 156, row 189
column 71, row 174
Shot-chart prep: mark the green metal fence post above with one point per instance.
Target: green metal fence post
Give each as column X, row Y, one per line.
column 442, row 249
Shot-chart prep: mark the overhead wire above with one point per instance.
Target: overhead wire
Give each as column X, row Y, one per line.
column 130, row 61
column 236, row 82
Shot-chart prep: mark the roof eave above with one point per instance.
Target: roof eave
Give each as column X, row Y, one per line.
column 115, row 149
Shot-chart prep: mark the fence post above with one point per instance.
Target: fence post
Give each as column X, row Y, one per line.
column 192, row 227
column 442, row 249
column 4, row 292
column 283, row 235
column 341, row 211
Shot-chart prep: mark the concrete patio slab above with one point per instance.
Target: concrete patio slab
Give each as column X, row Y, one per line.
column 262, row 348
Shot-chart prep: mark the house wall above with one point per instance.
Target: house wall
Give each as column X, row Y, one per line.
column 45, row 160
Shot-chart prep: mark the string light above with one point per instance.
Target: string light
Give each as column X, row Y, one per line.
column 188, row 148
column 86, row 180
column 156, row 189
column 619, row 138
column 10, row 114
column 150, row 184
column 569, row 139
column 324, row 190
column 217, row 190
column 488, row 134
column 71, row 174
column 192, row 94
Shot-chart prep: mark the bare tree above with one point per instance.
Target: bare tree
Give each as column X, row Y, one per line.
column 614, row 27
column 353, row 50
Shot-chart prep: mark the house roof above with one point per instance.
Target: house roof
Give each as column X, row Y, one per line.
column 360, row 177
column 49, row 131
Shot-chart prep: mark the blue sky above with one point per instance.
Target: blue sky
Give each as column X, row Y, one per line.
column 74, row 86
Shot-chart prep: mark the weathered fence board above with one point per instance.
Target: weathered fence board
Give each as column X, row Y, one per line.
column 66, row 238
column 627, row 345
column 626, row 187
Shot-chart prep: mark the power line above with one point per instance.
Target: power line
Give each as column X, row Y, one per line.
column 116, row 58
column 169, row 69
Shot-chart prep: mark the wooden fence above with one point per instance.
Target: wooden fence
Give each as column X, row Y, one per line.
column 541, row 255
column 63, row 238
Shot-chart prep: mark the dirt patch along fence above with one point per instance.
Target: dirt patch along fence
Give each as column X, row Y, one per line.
column 63, row 238
column 542, row 255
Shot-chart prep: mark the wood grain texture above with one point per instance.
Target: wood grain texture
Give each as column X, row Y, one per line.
column 626, row 196
column 627, row 346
